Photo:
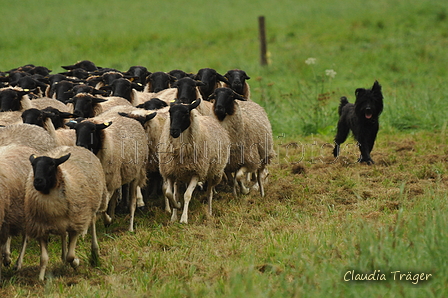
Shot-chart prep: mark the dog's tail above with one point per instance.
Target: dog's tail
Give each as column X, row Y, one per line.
column 344, row 101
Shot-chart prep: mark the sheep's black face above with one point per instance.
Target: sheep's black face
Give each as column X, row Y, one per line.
column 179, row 119
column 88, row 135
column 44, row 170
column 186, row 89
column 62, row 90
column 224, row 104
column 122, row 88
column 33, row 116
column 237, row 79
column 10, row 100
column 208, row 76
column 159, row 81
column 153, row 104
column 83, row 106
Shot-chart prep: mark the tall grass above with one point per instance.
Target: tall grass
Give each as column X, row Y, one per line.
column 401, row 44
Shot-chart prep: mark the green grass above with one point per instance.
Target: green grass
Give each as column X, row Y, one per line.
column 312, row 227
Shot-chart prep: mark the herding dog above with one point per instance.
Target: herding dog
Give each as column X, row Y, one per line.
column 362, row 119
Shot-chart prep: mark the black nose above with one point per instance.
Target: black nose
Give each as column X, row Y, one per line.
column 39, row 184
column 175, row 133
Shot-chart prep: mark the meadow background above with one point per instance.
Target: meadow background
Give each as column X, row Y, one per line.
column 320, row 218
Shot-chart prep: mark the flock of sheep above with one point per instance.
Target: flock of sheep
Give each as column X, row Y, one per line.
column 74, row 144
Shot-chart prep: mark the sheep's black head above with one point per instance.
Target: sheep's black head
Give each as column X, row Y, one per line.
column 84, row 64
column 179, row 74
column 369, row 102
column 139, row 73
column 45, row 171
column 10, row 100
column 237, row 79
column 153, row 104
column 187, row 89
column 33, row 116
column 210, row 78
column 223, row 102
column 84, row 104
column 180, row 117
column 159, row 81
column 122, row 88
column 62, row 90
column 57, row 117
column 89, row 134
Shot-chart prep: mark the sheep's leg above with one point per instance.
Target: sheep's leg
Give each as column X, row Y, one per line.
column 187, row 197
column 170, row 193
column 140, row 201
column 260, row 179
column 19, row 262
column 177, row 200
column 71, row 257
column 239, row 178
column 95, row 250
column 64, row 247
column 43, row 242
column 113, row 203
column 6, row 252
column 210, row 190
column 132, row 203
column 167, row 201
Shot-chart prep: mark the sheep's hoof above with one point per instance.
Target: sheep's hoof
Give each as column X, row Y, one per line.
column 74, row 263
column 6, row 261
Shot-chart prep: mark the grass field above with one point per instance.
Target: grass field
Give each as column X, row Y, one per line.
column 321, row 217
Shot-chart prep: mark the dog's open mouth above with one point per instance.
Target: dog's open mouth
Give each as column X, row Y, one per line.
column 368, row 113
column 368, row 116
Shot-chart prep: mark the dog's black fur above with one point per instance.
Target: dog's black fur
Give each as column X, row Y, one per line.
column 362, row 119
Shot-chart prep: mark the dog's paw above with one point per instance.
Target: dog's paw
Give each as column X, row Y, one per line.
column 367, row 161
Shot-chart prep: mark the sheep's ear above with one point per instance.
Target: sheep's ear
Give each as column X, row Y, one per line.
column 32, row 158
column 62, row 159
column 222, row 78
column 211, row 97
column 71, row 124
column 238, row 96
column 150, row 116
column 140, row 106
column 103, row 125
column 97, row 100
column 246, row 76
column 194, row 104
column 66, row 115
column 199, row 83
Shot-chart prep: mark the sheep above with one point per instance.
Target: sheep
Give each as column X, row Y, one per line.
column 250, row 134
column 153, row 129
column 53, row 121
column 14, row 170
column 27, row 135
column 84, row 64
column 187, row 92
column 193, row 148
column 179, row 74
column 211, row 79
column 121, row 145
column 126, row 89
column 61, row 90
column 237, row 82
column 153, row 104
column 87, row 106
column 44, row 102
column 64, row 192
column 158, row 81
column 10, row 118
column 31, row 83
column 14, row 99
column 140, row 73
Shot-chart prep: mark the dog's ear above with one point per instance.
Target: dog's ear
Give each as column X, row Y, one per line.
column 376, row 89
column 360, row 92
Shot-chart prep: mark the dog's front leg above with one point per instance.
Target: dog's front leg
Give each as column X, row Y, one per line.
column 365, row 152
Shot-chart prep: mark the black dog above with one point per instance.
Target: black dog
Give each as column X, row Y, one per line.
column 362, row 119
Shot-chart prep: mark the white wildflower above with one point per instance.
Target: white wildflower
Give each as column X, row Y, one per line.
column 310, row 61
column 331, row 73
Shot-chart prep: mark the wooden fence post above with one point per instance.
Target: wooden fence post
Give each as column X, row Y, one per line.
column 263, row 46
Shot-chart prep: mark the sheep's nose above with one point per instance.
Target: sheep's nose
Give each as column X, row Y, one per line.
column 175, row 133
column 39, row 184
